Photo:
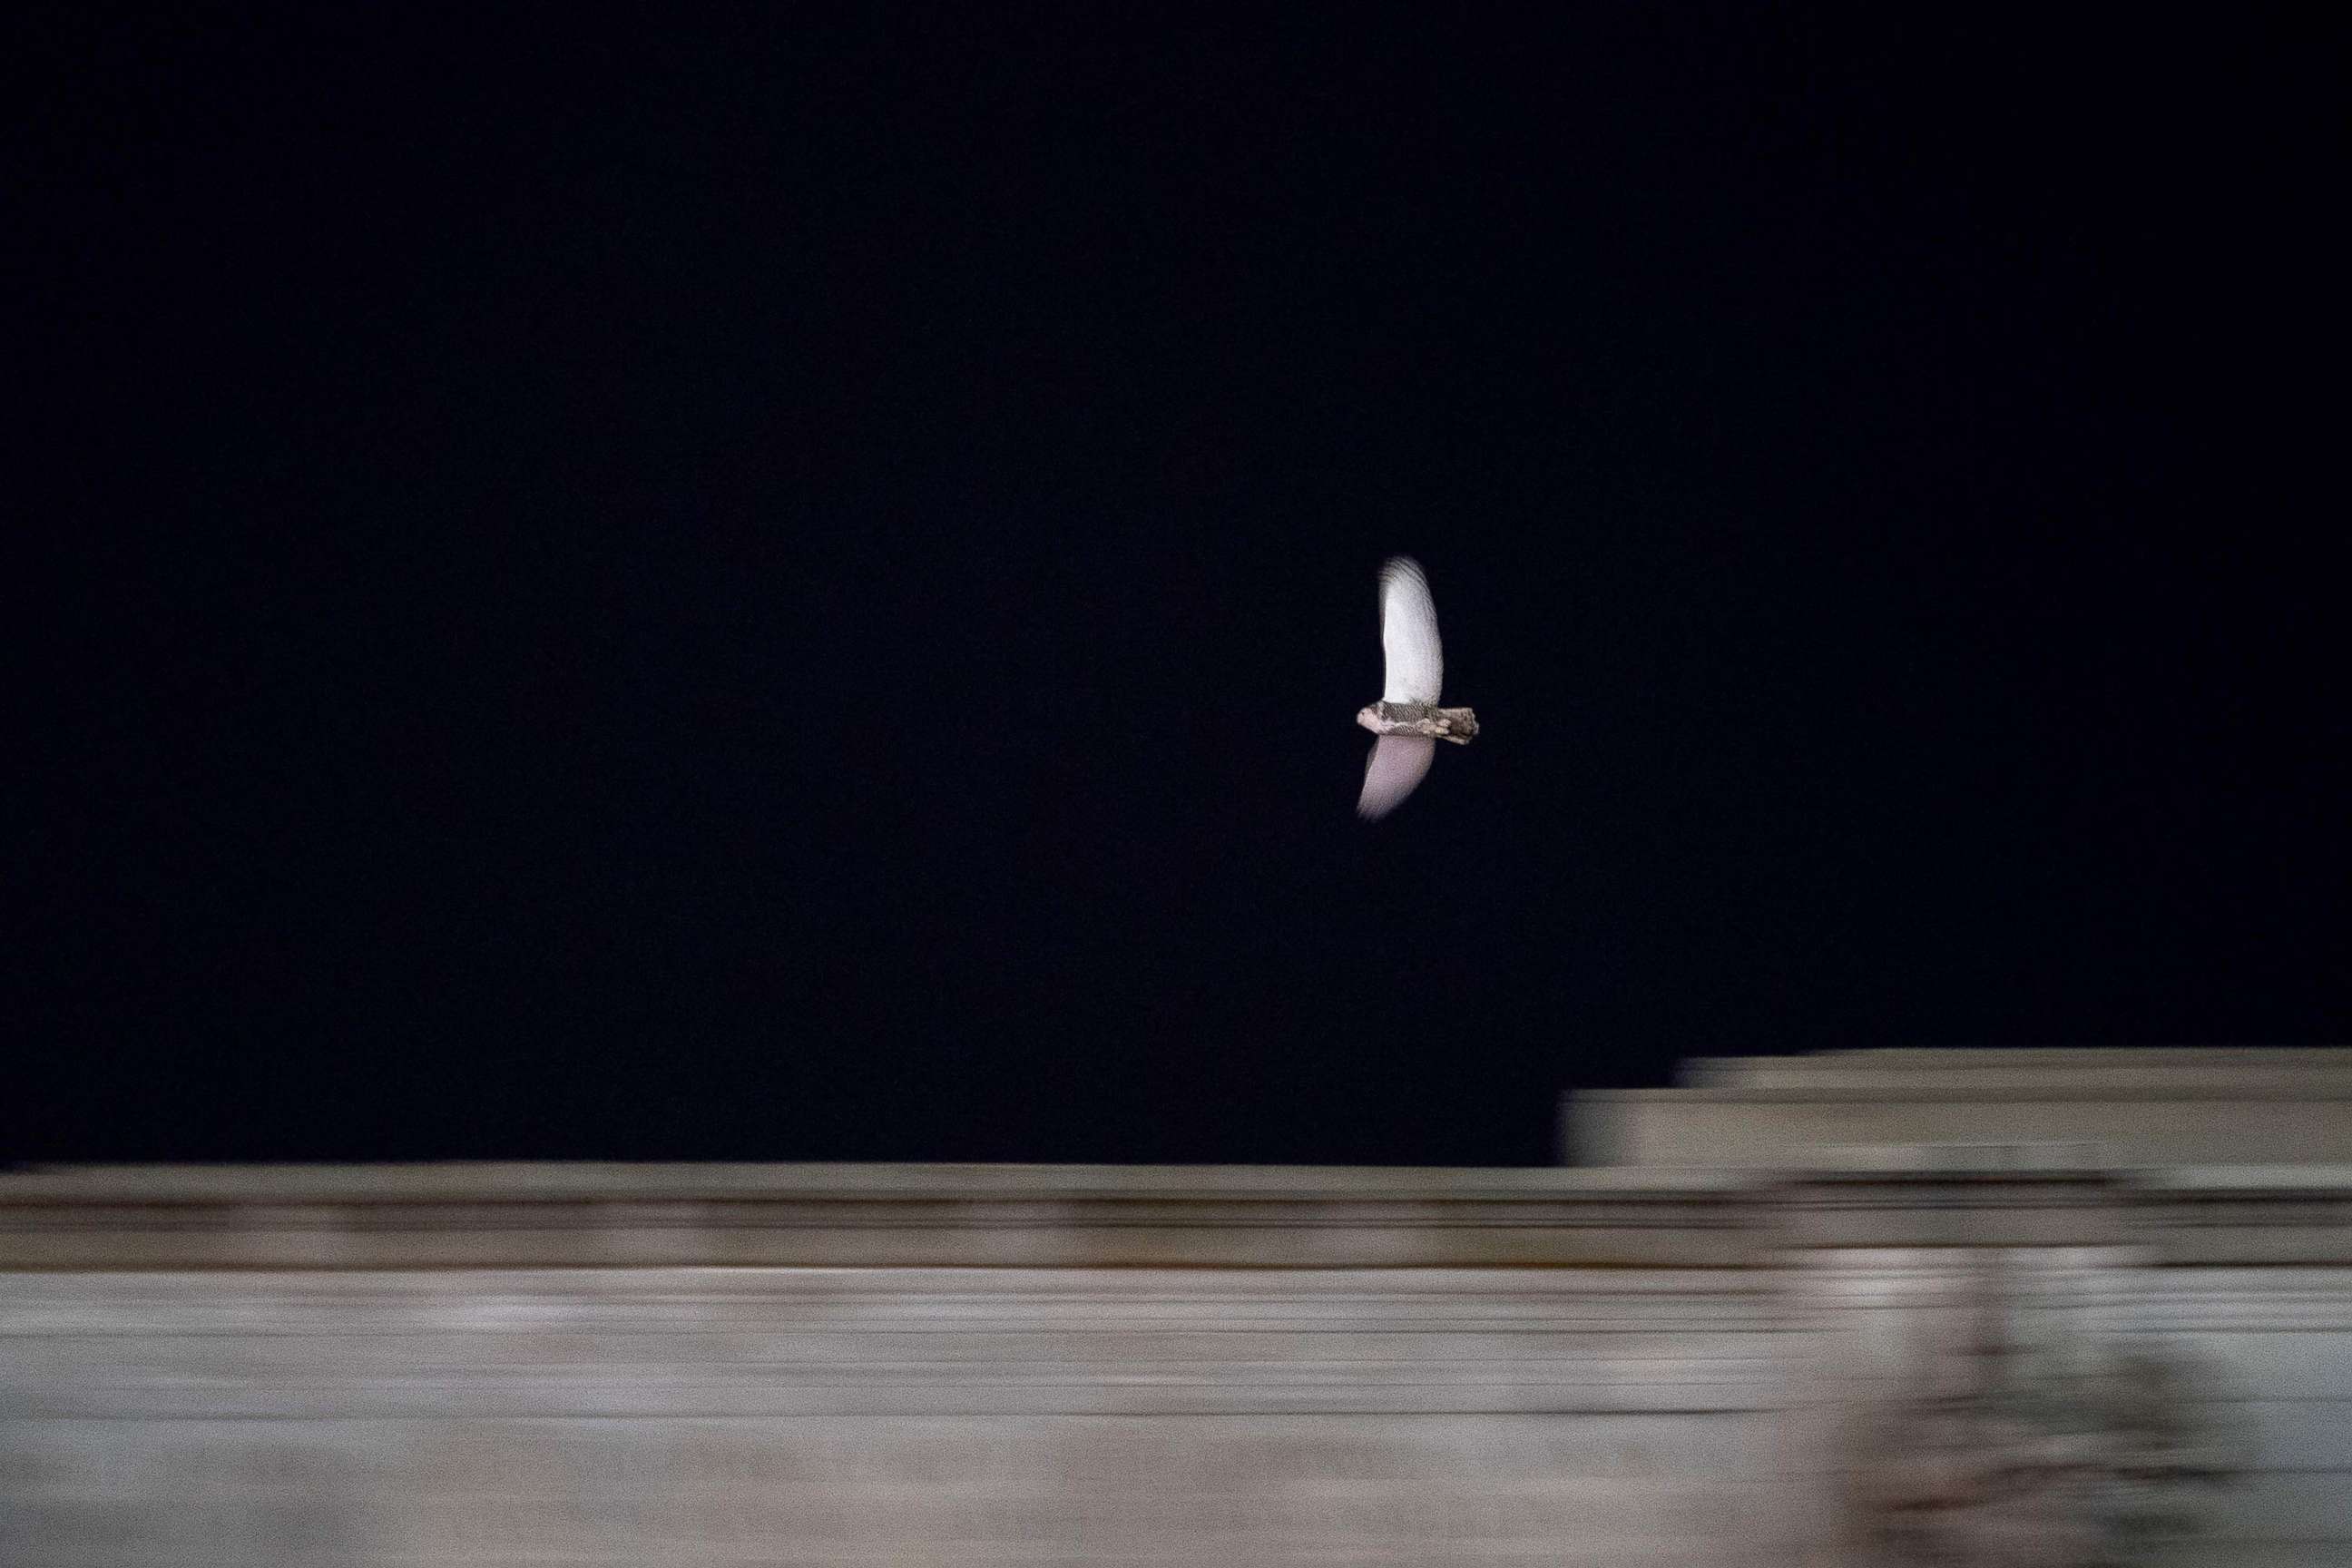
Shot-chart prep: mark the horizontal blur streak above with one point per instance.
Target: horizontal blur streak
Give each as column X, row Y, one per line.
column 2019, row 1348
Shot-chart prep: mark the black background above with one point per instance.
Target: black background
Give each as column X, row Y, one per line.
column 795, row 587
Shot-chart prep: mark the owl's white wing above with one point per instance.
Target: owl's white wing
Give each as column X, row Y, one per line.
column 1409, row 634
column 1395, row 766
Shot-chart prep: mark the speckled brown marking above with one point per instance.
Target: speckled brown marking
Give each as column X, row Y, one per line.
column 1455, row 725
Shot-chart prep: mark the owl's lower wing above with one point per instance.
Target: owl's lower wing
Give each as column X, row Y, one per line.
column 1395, row 766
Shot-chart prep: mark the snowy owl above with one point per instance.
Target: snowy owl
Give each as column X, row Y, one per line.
column 1407, row 718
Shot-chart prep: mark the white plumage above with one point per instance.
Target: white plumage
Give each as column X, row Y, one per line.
column 1395, row 766
column 1416, row 661
column 1407, row 718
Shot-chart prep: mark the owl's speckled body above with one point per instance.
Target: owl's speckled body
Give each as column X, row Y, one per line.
column 1455, row 725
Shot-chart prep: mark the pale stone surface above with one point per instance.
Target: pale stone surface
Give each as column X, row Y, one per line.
column 2227, row 1072
column 772, row 1343
column 511, row 1364
column 2144, row 1108
column 1395, row 1490
column 817, row 1416
column 868, row 1216
column 2276, row 1343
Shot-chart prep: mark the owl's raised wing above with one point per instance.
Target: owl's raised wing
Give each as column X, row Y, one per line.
column 1395, row 766
column 1409, row 634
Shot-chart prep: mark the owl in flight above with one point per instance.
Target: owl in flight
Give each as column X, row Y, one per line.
column 1407, row 718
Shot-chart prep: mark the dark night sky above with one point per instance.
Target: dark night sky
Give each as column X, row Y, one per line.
column 797, row 590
